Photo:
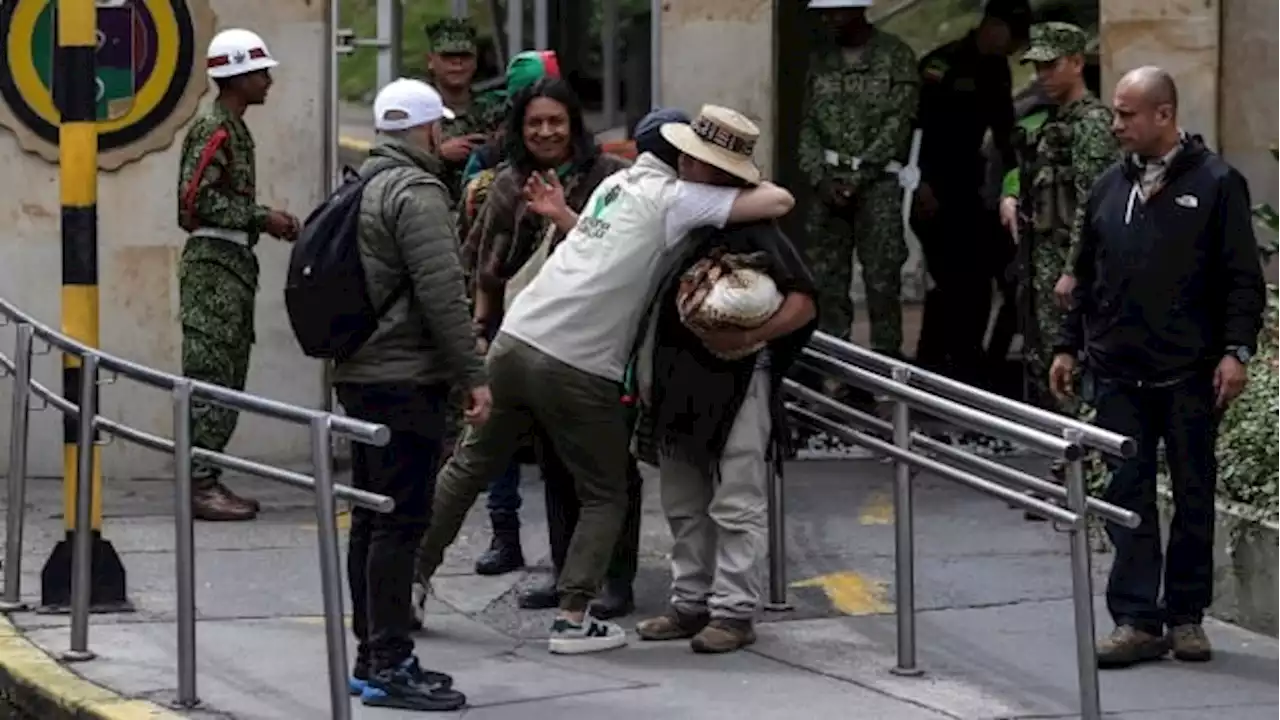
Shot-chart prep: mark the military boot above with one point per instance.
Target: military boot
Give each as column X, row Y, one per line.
column 616, row 601
column 541, row 597
column 213, row 502
column 504, row 554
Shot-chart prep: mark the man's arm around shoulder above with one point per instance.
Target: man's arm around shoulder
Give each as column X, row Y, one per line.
column 424, row 233
column 765, row 201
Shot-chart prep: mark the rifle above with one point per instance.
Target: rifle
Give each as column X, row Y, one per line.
column 1023, row 268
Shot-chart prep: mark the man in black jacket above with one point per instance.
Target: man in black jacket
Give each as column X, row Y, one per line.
column 1166, row 311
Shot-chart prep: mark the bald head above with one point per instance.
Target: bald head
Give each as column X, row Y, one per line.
column 1145, row 112
column 1151, row 84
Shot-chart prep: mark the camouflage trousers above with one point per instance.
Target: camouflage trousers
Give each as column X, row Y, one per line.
column 872, row 227
column 216, row 308
column 1047, row 264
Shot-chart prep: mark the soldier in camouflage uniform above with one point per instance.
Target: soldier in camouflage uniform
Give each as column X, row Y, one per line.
column 451, row 67
column 1058, row 164
column 218, row 276
column 861, row 98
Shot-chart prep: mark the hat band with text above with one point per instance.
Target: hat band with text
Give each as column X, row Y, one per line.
column 716, row 134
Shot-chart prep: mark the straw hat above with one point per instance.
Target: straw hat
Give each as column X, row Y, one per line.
column 720, row 137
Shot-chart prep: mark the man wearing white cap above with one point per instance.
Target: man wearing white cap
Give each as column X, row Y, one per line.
column 218, row 277
column 559, row 359
column 401, row 378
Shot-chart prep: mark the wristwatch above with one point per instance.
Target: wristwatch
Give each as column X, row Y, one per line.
column 1241, row 353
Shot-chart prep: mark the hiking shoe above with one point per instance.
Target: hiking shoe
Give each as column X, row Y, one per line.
column 419, row 607
column 1127, row 645
column 408, row 687
column 1189, row 643
column 590, row 635
column 672, row 625
column 723, row 635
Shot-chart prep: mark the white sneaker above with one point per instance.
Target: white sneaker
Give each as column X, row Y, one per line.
column 420, row 605
column 591, row 635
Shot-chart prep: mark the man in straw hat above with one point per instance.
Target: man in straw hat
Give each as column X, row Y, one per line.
column 558, row 362
column 710, row 412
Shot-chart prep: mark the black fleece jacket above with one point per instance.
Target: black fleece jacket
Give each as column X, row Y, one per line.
column 1165, row 287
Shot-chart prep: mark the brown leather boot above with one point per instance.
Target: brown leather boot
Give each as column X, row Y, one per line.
column 217, row 504
column 248, row 501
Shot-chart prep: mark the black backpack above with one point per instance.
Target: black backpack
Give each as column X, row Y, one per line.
column 325, row 293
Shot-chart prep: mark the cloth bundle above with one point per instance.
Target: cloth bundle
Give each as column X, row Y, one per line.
column 728, row 291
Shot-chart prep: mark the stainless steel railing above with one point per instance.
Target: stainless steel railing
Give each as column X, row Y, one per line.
column 324, row 426
column 909, row 388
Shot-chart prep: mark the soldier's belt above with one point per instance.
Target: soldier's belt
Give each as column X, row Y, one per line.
column 239, row 237
column 908, row 175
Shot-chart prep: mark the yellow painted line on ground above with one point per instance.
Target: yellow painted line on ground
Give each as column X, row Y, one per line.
column 877, row 509
column 354, row 144
column 851, row 593
column 37, row 682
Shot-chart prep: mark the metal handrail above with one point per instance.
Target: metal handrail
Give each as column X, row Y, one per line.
column 359, row 430
column 992, row 415
column 949, row 409
column 324, row 426
column 356, row 496
column 1127, row 518
column 1091, row 436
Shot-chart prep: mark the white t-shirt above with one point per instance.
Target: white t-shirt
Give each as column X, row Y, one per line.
column 584, row 306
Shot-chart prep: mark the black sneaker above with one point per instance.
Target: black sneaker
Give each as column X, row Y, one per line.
column 409, row 687
column 359, row 679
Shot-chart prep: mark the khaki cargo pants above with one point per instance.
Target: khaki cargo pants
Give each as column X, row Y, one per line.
column 720, row 525
column 583, row 418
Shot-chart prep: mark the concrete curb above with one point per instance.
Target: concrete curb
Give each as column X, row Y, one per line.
column 1245, row 561
column 40, row 686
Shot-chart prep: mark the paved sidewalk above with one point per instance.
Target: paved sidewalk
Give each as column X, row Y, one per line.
column 994, row 624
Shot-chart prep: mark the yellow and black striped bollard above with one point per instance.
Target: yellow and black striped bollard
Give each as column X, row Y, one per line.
column 76, row 95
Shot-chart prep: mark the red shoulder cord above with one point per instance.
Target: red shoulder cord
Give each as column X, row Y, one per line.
column 207, row 156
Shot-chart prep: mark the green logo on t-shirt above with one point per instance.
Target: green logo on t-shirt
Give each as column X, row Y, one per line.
column 594, row 225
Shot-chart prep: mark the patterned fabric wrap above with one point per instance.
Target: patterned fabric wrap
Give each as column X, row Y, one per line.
column 727, row 291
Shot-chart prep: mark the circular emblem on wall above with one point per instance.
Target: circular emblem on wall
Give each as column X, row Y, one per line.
column 149, row 74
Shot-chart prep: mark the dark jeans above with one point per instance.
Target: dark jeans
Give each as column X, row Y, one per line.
column 504, row 491
column 563, row 508
column 380, row 557
column 959, row 247
column 1183, row 415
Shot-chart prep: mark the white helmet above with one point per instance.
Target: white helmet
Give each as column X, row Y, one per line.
column 838, row 4
column 237, row 52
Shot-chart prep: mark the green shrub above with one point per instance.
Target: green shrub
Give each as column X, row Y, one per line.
column 1247, row 458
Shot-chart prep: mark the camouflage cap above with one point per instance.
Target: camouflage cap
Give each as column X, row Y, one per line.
column 1052, row 40
column 452, row 35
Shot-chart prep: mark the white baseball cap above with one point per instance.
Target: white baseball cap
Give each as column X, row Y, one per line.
column 409, row 103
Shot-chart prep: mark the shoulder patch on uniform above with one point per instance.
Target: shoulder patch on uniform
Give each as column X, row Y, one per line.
column 934, row 69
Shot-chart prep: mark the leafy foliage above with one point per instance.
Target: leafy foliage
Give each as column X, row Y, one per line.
column 1247, row 458
column 1270, row 219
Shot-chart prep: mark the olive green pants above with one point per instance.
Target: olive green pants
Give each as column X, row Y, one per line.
column 582, row 416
